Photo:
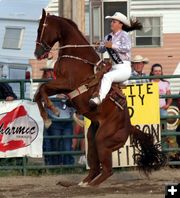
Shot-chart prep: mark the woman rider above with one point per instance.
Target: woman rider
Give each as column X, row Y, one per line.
column 118, row 45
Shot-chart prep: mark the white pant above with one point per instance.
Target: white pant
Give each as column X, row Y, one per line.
column 118, row 73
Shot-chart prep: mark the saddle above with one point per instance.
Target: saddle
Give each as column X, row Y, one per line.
column 115, row 94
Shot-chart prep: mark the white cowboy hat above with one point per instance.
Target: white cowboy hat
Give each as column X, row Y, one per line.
column 139, row 59
column 120, row 17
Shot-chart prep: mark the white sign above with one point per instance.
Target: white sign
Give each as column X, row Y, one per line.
column 21, row 129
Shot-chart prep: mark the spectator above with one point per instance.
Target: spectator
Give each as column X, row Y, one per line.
column 79, row 144
column 6, row 92
column 164, row 88
column 176, row 156
column 138, row 63
column 178, row 130
column 58, row 128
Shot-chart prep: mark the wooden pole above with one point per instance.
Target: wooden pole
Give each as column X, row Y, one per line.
column 74, row 10
column 78, row 14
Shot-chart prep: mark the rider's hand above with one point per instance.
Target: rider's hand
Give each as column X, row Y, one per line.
column 96, row 43
column 108, row 44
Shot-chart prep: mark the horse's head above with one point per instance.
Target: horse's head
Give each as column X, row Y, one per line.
column 46, row 36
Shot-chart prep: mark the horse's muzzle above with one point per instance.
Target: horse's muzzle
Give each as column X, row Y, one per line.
column 41, row 51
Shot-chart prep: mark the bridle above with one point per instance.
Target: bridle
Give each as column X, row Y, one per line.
column 44, row 45
column 47, row 48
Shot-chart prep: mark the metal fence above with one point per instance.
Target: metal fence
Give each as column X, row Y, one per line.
column 25, row 165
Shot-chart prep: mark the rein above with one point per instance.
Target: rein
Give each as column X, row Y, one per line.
column 81, row 59
column 47, row 48
column 75, row 57
column 74, row 46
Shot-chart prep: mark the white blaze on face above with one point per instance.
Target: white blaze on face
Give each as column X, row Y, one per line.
column 23, row 128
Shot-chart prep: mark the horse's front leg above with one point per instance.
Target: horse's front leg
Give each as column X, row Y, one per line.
column 44, row 115
column 48, row 89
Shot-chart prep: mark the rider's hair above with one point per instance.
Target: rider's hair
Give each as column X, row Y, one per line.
column 135, row 25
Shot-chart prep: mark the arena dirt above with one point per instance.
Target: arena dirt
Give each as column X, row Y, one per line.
column 130, row 184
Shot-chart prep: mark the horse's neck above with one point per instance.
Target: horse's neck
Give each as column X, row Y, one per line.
column 72, row 36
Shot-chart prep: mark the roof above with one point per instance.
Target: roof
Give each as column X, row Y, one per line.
column 22, row 9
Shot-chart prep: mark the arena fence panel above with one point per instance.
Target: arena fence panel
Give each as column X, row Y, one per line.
column 26, row 164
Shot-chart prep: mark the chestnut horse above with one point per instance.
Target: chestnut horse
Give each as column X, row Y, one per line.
column 110, row 126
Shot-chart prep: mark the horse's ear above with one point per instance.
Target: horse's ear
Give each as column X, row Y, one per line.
column 43, row 13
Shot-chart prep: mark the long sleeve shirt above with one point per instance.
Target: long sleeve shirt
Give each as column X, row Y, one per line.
column 121, row 43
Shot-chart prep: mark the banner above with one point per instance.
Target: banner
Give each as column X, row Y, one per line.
column 21, row 129
column 143, row 105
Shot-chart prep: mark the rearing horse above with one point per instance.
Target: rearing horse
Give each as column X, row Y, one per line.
column 110, row 126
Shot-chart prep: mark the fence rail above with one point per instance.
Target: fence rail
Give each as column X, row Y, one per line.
column 25, row 166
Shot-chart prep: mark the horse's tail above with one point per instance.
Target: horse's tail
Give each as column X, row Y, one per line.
column 149, row 156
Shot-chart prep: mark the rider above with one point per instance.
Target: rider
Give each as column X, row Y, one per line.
column 118, row 46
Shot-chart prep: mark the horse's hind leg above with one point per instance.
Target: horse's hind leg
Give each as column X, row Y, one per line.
column 92, row 157
column 108, row 140
column 105, row 157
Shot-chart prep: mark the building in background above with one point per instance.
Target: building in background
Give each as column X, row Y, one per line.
column 159, row 40
column 19, row 21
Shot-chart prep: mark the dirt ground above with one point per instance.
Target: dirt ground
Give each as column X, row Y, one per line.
column 130, row 184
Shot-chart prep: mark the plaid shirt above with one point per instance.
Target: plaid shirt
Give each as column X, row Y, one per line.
column 138, row 81
column 5, row 91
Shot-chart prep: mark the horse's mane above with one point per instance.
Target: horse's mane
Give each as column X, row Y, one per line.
column 75, row 27
column 72, row 23
column 69, row 21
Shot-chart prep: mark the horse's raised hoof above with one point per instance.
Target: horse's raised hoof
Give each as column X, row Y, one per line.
column 47, row 123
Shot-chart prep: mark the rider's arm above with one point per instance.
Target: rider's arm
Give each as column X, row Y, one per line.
column 102, row 48
column 123, row 44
